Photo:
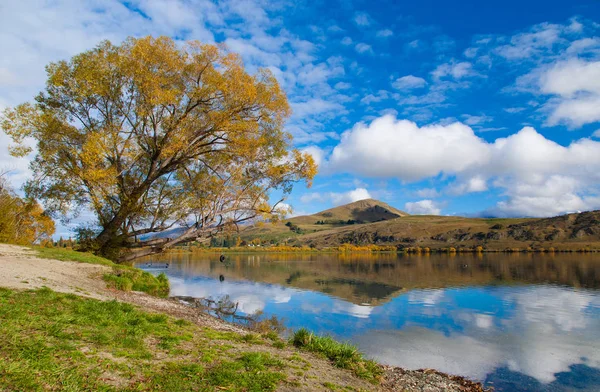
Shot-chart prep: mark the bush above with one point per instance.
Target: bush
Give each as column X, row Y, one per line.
column 132, row 279
column 343, row 355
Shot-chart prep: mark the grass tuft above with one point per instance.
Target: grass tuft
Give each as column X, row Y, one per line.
column 343, row 355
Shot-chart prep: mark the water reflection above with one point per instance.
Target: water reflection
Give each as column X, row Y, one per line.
column 506, row 320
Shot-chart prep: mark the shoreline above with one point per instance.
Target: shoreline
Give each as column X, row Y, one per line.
column 404, row 251
column 21, row 269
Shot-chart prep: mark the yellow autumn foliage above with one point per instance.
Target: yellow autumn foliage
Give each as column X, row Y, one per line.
column 153, row 135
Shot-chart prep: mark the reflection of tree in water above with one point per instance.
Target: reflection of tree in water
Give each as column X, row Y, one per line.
column 225, row 308
column 293, row 276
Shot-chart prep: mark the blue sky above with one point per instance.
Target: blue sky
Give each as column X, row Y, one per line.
column 478, row 108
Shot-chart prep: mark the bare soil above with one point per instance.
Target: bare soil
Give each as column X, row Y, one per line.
column 21, row 269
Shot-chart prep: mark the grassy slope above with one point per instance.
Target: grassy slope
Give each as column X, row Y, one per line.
column 364, row 210
column 574, row 231
column 59, row 341
column 122, row 277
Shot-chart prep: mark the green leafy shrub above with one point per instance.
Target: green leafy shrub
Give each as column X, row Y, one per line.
column 343, row 355
column 133, row 279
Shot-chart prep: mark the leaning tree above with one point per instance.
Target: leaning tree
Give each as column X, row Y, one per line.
column 152, row 135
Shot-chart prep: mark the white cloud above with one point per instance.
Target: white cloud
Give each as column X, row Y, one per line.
column 409, row 82
column 514, row 110
column 316, row 152
column 455, row 70
column 584, row 45
column 571, row 77
column 362, row 19
column 363, row 48
column 476, row 120
column 537, row 41
column 473, row 184
column 342, row 86
column 575, row 84
column 378, row 97
column 538, row 176
column 391, row 148
column 337, row 198
column 385, row 33
column 596, row 134
column 422, row 207
column 427, row 193
column 347, row 41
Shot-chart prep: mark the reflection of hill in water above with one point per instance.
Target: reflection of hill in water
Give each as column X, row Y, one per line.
column 373, row 279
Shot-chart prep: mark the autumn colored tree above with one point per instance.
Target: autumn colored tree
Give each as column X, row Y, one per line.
column 153, row 135
column 22, row 221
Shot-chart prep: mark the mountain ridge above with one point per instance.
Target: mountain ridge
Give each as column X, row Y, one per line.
column 386, row 225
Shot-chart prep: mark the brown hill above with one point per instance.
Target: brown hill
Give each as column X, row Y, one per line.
column 356, row 213
column 572, row 231
column 362, row 211
column 372, row 222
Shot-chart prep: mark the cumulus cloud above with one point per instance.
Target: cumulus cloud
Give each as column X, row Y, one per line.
column 537, row 176
column 576, row 85
column 316, row 152
column 409, row 82
column 422, row 207
column 399, row 148
column 470, row 185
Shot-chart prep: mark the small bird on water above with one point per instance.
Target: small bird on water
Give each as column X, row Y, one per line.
column 222, row 258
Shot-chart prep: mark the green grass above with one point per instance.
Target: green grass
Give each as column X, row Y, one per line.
column 122, row 277
column 128, row 278
column 71, row 255
column 343, row 355
column 53, row 341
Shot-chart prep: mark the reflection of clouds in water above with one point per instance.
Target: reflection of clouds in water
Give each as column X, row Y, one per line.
column 549, row 329
column 418, row 348
column 536, row 330
column 484, row 321
column 336, row 306
column 425, row 297
column 251, row 297
column 360, row 311
column 560, row 308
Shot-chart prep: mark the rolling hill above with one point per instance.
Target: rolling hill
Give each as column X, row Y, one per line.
column 373, row 222
column 349, row 215
column 362, row 211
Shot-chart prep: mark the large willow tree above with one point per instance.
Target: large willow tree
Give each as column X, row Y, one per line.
column 151, row 136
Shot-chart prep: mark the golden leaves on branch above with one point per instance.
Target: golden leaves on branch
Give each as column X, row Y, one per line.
column 150, row 132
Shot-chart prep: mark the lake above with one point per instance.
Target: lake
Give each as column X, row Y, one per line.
column 518, row 322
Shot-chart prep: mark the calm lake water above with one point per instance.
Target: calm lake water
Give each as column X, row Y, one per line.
column 518, row 322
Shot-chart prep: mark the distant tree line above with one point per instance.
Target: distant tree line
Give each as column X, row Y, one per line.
column 340, row 222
